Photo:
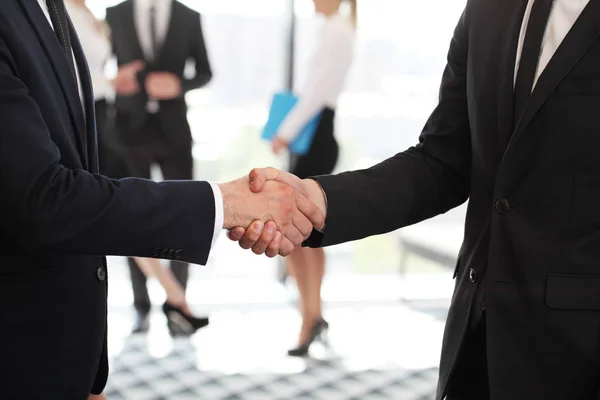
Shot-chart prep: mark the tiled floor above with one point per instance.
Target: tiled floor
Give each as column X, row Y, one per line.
column 379, row 346
column 379, row 352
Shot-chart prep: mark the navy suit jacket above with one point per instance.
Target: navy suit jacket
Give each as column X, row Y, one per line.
column 60, row 218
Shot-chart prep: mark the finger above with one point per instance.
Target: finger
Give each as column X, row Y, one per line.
column 259, row 176
column 311, row 211
column 286, row 247
column 252, row 235
column 265, row 238
column 293, row 235
column 236, row 234
column 273, row 248
column 303, row 224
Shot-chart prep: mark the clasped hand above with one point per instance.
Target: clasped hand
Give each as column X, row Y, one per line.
column 272, row 212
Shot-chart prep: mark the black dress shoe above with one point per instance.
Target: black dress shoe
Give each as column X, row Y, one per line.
column 142, row 323
column 181, row 324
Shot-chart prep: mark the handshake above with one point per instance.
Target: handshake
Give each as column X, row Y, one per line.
column 272, row 212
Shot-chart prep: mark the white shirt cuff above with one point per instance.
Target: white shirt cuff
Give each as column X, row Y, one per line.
column 219, row 214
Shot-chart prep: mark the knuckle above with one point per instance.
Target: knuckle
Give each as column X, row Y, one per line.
column 288, row 191
column 307, row 230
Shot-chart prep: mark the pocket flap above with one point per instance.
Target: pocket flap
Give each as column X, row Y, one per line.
column 573, row 292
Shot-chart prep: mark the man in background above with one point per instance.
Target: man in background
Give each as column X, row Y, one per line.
column 160, row 37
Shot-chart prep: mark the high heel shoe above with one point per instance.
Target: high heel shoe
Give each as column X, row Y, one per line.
column 318, row 332
column 181, row 324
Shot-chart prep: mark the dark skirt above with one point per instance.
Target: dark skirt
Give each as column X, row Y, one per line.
column 113, row 157
column 323, row 153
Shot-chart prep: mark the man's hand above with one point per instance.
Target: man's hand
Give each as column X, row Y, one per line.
column 260, row 240
column 293, row 214
column 163, row 85
column 125, row 82
column 307, row 187
column 100, row 396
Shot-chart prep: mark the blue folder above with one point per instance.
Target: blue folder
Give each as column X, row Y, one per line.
column 281, row 105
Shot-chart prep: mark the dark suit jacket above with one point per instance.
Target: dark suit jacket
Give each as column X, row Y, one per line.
column 184, row 41
column 59, row 218
column 533, row 220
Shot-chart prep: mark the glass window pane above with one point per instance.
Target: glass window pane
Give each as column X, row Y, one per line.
column 392, row 88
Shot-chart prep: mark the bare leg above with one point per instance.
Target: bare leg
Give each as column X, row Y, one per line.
column 173, row 289
column 308, row 266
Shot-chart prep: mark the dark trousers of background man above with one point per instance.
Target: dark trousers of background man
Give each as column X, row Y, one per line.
column 175, row 164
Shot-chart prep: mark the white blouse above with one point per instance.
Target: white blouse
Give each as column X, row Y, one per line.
column 327, row 73
column 96, row 46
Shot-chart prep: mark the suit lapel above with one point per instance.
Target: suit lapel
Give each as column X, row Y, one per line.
column 578, row 41
column 514, row 13
column 90, row 141
column 131, row 32
column 61, row 69
column 170, row 30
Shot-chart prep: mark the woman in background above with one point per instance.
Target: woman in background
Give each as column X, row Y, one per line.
column 327, row 72
column 95, row 40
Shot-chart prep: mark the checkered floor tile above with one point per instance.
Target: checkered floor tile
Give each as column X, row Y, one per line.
column 374, row 353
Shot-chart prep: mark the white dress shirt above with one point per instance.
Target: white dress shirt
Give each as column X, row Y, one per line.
column 327, row 73
column 563, row 15
column 142, row 23
column 141, row 18
column 96, row 46
column 219, row 212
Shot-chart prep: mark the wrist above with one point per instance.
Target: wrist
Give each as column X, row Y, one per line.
column 236, row 197
column 228, row 195
column 316, row 194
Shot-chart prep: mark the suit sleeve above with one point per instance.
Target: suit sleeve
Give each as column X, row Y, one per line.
column 199, row 54
column 47, row 208
column 419, row 183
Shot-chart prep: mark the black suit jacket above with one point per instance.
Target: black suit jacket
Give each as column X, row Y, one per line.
column 60, row 218
column 184, row 42
column 533, row 221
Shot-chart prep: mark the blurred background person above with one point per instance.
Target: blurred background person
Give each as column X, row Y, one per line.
column 95, row 39
column 163, row 36
column 327, row 71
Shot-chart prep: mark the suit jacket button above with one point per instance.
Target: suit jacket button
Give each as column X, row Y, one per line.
column 164, row 253
column 171, row 254
column 101, row 274
column 156, row 252
column 472, row 275
column 502, row 206
column 178, row 254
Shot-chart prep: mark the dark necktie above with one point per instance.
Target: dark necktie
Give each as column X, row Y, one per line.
column 58, row 16
column 530, row 55
column 153, row 32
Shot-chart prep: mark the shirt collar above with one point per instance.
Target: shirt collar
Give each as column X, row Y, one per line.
column 146, row 4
